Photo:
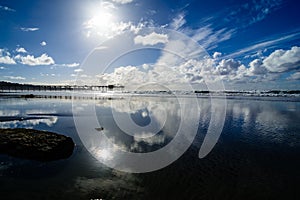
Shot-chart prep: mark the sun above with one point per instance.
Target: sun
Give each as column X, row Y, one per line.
column 101, row 20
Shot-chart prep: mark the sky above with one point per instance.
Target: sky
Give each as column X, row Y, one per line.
column 247, row 45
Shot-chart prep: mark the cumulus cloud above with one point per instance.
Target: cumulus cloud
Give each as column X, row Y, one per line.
column 283, row 60
column 190, row 71
column 43, row 43
column 256, row 67
column 122, row 1
column 15, row 77
column 151, row 39
column 216, row 55
column 229, row 66
column 6, row 60
column 5, row 57
column 196, row 71
column 265, row 69
column 44, row 59
column 21, row 50
column 127, row 75
column 28, row 29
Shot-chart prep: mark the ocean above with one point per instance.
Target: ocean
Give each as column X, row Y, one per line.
column 256, row 155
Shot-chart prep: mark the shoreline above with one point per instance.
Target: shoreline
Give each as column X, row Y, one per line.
column 94, row 95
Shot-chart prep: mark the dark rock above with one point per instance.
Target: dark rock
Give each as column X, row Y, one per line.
column 35, row 144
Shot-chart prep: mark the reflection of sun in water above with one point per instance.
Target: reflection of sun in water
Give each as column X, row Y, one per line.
column 144, row 114
column 104, row 154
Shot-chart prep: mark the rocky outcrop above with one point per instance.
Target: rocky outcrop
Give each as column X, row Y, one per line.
column 35, row 144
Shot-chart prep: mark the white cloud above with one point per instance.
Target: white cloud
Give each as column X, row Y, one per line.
column 283, row 60
column 261, row 70
column 151, row 12
column 208, row 37
column 295, row 76
column 69, row 65
column 226, row 67
column 256, row 67
column 44, row 59
column 27, row 29
column 151, row 39
column 43, row 43
column 263, row 9
column 259, row 46
column 7, row 8
column 196, row 71
column 145, row 66
column 6, row 60
column 21, row 50
column 5, row 57
column 216, row 55
column 107, row 5
column 178, row 22
column 128, row 75
column 111, row 29
column 78, row 70
column 122, row 1
column 251, row 12
column 15, row 77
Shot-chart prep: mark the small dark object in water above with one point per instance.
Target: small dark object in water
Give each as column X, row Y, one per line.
column 35, row 144
column 28, row 96
column 99, row 129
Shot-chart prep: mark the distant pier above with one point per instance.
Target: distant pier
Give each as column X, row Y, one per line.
column 15, row 87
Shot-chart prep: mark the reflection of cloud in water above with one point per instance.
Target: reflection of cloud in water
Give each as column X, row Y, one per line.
column 40, row 111
column 110, row 187
column 9, row 113
column 79, row 108
column 272, row 121
column 163, row 111
column 30, row 123
column 104, row 154
column 158, row 139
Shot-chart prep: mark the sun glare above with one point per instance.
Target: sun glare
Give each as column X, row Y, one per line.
column 101, row 20
column 104, row 154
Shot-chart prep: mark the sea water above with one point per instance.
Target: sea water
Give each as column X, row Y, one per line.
column 256, row 156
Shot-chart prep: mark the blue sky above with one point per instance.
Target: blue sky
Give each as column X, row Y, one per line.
column 252, row 44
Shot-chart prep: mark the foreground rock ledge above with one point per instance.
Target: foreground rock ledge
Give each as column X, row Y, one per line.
column 35, row 144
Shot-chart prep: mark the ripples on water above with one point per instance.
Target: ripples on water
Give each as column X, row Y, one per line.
column 256, row 157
